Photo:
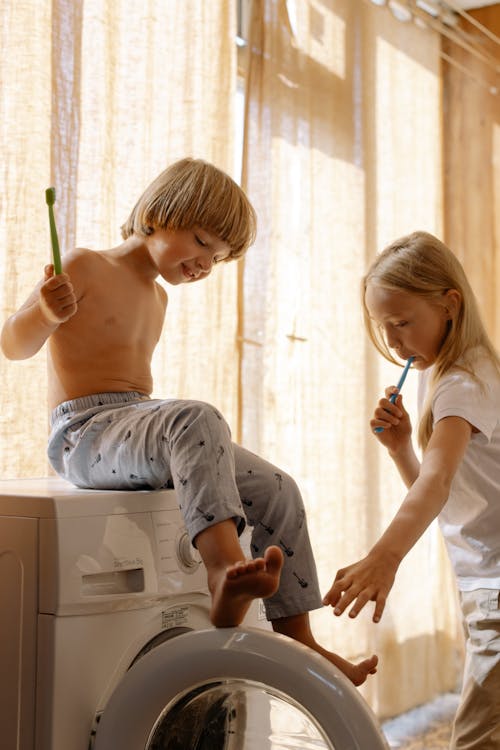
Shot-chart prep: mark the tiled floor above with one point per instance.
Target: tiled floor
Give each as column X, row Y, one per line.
column 425, row 727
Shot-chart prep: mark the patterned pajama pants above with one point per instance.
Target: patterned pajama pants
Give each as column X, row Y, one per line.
column 127, row 441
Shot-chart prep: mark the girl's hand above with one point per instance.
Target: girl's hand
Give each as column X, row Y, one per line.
column 56, row 297
column 370, row 579
column 394, row 419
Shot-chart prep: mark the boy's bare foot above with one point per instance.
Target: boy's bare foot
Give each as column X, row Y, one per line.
column 357, row 673
column 234, row 589
column 297, row 627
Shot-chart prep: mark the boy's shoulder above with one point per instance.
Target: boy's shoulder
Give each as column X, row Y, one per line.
column 79, row 256
column 81, row 260
column 82, row 266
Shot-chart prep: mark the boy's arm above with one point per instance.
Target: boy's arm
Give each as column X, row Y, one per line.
column 51, row 303
column 371, row 578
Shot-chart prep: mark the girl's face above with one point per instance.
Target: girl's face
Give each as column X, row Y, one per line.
column 411, row 325
column 185, row 255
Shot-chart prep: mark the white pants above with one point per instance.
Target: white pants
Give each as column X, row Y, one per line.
column 477, row 723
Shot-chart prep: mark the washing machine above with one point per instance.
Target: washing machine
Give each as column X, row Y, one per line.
column 106, row 640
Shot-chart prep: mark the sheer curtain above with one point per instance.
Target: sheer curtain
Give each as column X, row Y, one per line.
column 97, row 97
column 342, row 155
column 471, row 145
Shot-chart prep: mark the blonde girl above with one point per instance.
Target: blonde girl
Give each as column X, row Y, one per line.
column 418, row 303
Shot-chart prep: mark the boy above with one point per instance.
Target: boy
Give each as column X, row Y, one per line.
column 102, row 318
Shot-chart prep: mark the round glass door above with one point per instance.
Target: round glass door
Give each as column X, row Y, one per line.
column 236, row 715
column 236, row 689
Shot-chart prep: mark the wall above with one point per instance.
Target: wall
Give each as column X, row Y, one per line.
column 471, row 142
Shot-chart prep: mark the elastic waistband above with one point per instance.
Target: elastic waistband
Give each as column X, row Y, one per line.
column 96, row 399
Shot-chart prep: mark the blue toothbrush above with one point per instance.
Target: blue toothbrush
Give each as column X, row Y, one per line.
column 402, row 379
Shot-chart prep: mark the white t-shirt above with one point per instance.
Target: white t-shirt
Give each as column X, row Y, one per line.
column 470, row 520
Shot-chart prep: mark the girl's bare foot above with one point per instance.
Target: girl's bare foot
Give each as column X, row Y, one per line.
column 234, row 588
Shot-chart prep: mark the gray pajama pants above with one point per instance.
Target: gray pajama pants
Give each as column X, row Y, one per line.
column 128, row 441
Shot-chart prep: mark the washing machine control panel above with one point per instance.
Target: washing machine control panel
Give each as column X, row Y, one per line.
column 188, row 556
column 124, row 557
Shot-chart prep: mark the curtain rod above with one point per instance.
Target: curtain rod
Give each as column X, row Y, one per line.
column 460, row 39
column 455, row 37
column 473, row 21
column 492, row 89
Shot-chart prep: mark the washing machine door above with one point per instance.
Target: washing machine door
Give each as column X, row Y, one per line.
column 236, row 689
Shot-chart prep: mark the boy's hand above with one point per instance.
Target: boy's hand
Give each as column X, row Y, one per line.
column 56, row 296
column 370, row 579
column 394, row 419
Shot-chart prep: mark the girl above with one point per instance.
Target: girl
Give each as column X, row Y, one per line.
column 418, row 303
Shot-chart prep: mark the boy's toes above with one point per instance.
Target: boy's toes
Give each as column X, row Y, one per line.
column 273, row 557
column 235, row 570
column 245, row 567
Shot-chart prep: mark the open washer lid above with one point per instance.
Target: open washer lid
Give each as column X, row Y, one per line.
column 236, row 689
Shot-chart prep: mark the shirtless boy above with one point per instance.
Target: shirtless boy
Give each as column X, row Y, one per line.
column 102, row 318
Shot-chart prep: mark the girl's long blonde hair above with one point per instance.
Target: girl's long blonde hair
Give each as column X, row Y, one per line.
column 421, row 264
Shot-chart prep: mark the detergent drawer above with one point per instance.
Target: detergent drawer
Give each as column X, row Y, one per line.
column 116, row 561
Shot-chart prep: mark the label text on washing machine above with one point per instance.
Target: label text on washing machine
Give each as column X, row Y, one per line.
column 124, row 562
column 174, row 618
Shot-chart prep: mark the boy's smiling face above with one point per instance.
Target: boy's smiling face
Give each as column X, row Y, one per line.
column 185, row 255
column 411, row 325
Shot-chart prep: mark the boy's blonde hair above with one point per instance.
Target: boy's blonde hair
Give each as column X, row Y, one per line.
column 193, row 193
column 421, row 264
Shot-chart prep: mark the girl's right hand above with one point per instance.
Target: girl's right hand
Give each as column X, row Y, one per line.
column 370, row 579
column 56, row 297
column 394, row 419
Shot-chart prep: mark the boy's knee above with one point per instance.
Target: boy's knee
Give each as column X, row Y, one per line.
column 287, row 484
column 204, row 411
column 284, row 489
column 192, row 414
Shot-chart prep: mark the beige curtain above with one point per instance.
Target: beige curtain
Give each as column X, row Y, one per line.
column 472, row 178
column 97, row 98
column 342, row 155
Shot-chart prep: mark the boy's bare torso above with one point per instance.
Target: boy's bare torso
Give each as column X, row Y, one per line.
column 103, row 316
column 108, row 344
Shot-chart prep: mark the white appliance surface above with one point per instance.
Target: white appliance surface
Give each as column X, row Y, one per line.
column 87, row 579
column 106, row 637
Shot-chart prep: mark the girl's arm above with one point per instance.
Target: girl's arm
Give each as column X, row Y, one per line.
column 372, row 578
column 51, row 303
column 407, row 464
column 396, row 435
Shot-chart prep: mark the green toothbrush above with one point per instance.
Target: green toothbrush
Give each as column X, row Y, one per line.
column 50, row 199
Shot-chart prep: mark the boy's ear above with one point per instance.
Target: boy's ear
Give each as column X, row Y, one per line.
column 453, row 303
